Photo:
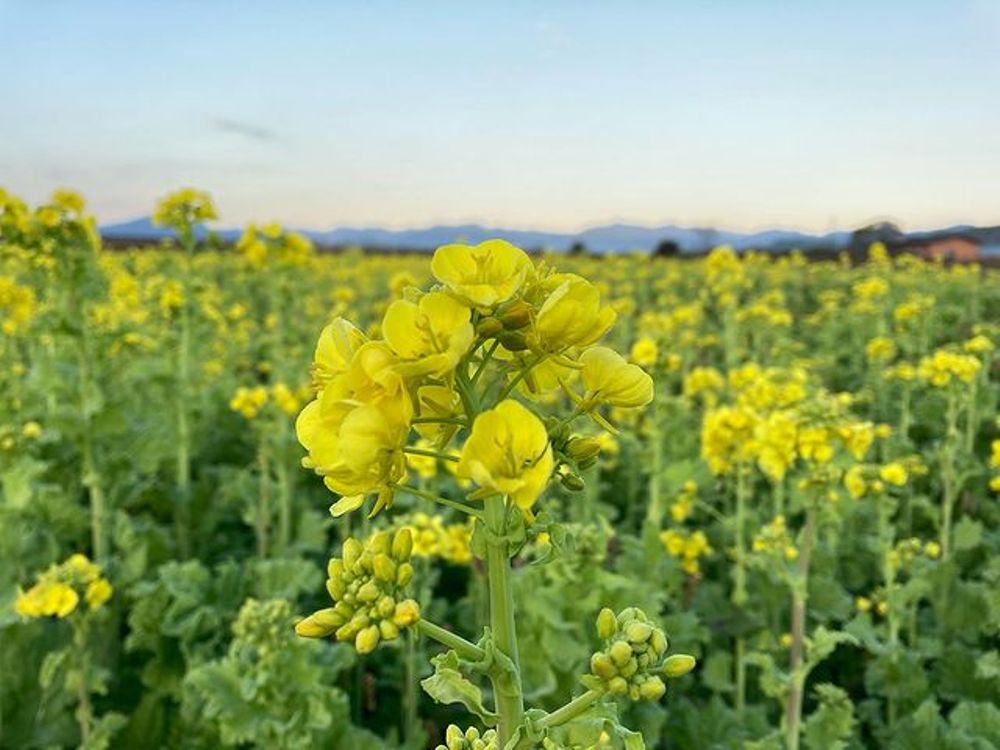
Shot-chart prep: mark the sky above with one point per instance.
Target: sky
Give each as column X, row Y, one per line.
column 740, row 114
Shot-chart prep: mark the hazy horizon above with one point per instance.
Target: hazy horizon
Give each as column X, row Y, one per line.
column 559, row 117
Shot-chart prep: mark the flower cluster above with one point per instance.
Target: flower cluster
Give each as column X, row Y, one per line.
column 775, row 540
column 689, row 547
column 633, row 657
column 184, row 208
column 432, row 538
column 470, row 739
column 17, row 306
column 251, row 401
column 539, row 328
column 944, row 367
column 60, row 588
column 367, row 586
column 263, row 247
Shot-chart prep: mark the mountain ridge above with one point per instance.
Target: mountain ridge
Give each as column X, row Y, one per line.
column 605, row 239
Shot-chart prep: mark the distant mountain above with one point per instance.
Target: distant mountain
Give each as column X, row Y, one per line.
column 612, row 238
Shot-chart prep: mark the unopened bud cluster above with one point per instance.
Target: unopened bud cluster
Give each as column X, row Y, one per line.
column 634, row 657
column 367, row 586
column 470, row 739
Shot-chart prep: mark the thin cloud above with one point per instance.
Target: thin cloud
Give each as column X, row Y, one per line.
column 245, row 129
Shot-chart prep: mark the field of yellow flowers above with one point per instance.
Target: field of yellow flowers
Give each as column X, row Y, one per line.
column 264, row 497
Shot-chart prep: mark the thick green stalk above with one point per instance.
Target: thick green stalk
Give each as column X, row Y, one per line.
column 465, row 649
column 739, row 596
column 949, row 490
column 506, row 684
column 793, row 704
column 571, row 710
column 181, row 518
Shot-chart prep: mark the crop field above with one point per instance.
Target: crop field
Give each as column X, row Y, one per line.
column 263, row 497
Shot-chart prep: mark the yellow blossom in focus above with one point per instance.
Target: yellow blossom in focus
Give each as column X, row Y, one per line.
column 611, row 380
column 508, row 451
column 482, row 275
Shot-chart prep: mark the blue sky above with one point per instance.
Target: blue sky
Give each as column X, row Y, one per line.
column 551, row 115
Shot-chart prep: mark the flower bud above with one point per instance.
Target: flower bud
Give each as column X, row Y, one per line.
column 369, row 592
column 386, row 606
column 517, row 315
column 352, row 552
column 488, row 328
column 319, row 624
column 617, row 686
column 620, row 652
column 336, row 588
column 404, row 574
column 402, row 545
column 407, row 613
column 388, row 630
column 367, row 640
column 513, row 341
column 602, row 666
column 678, row 665
column 606, row 624
column 384, row 568
column 652, row 689
column 380, row 543
column 572, row 482
column 638, row 632
column 583, row 449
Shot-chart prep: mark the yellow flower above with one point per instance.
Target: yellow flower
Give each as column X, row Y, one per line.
column 880, row 349
column 612, row 380
column 47, row 598
column 431, row 336
column 508, row 451
column 863, row 604
column 336, row 347
column 941, row 367
column 572, row 314
column 31, row 430
column 481, row 275
column 184, row 208
column 98, row 592
column 854, row 481
column 894, row 473
column 644, row 352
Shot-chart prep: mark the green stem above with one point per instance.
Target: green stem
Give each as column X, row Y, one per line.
column 465, row 649
column 739, row 596
column 506, row 685
column 522, row 373
column 571, row 710
column 263, row 501
column 284, row 504
column 438, row 499
column 183, row 418
column 433, row 454
column 796, row 671
column 949, row 490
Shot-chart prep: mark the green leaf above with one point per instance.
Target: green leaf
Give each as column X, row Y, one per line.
column 448, row 685
column 832, row 723
column 968, row 534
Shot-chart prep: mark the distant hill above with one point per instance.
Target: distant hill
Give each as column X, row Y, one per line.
column 612, row 238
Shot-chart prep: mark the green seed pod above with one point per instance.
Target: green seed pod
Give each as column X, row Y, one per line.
column 602, row 666
column 678, row 665
column 402, row 545
column 620, row 652
column 638, row 632
column 385, row 568
column 352, row 552
column 367, row 640
column 652, row 689
column 606, row 624
column 404, row 574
